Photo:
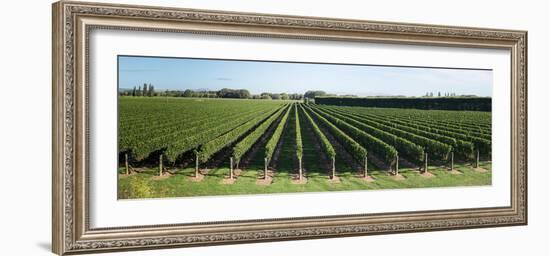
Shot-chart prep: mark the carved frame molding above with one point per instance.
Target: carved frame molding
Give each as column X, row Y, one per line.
column 72, row 23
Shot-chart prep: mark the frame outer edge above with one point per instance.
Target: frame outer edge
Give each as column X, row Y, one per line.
column 525, row 108
column 57, row 246
column 65, row 239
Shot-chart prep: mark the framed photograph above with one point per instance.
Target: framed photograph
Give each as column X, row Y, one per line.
column 179, row 127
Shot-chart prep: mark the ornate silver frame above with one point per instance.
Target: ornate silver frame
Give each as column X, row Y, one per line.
column 72, row 22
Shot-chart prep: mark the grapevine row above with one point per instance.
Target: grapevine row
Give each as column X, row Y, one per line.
column 437, row 125
column 325, row 144
column 353, row 147
column 463, row 148
column 208, row 149
column 411, row 142
column 142, row 147
column 414, row 153
column 209, row 131
column 481, row 144
column 299, row 144
column 246, row 144
column 274, row 140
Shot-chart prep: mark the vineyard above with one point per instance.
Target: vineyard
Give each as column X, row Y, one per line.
column 192, row 146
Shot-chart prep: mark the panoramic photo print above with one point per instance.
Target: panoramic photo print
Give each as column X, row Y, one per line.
column 213, row 127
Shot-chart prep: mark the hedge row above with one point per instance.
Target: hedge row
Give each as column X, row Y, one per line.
column 442, row 103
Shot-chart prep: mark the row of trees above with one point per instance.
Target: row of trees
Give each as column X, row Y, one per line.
column 445, row 94
column 149, row 90
column 279, row 96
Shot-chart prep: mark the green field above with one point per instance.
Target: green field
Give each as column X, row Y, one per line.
column 143, row 185
column 164, row 139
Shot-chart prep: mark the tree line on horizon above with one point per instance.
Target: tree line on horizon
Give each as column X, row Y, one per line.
column 148, row 90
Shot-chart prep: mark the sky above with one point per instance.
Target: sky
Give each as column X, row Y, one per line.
column 279, row 77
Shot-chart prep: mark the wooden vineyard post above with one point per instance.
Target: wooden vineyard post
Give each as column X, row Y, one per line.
column 300, row 168
column 366, row 168
column 265, row 168
column 396, row 164
column 160, row 165
column 477, row 159
column 333, row 167
column 126, row 164
column 425, row 162
column 196, row 165
column 231, row 167
column 452, row 160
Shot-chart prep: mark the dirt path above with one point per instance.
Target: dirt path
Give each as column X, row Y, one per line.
column 222, row 157
column 187, row 159
column 342, row 155
column 260, row 144
column 279, row 147
column 403, row 162
column 376, row 161
column 312, row 143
